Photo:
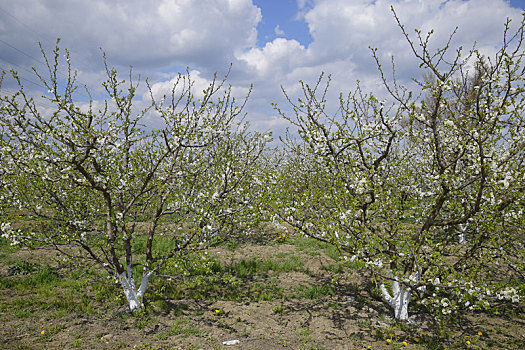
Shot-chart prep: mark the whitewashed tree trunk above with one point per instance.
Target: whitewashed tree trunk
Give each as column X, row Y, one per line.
column 399, row 299
column 462, row 238
column 133, row 295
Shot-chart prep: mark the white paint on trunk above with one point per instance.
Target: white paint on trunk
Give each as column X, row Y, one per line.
column 133, row 295
column 399, row 299
column 462, row 237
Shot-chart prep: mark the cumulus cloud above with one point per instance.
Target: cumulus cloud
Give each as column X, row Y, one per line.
column 277, row 57
column 152, row 34
column 278, row 31
column 178, row 84
column 344, row 31
column 161, row 36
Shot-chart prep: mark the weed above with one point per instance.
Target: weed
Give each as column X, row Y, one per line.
column 162, row 335
column 354, row 265
column 253, row 267
column 314, row 247
column 314, row 292
column 182, row 328
column 378, row 334
column 6, row 247
column 266, row 292
column 333, row 305
column 363, row 323
column 78, row 342
column 22, row 268
column 278, row 310
column 304, row 335
column 142, row 322
column 334, row 268
column 45, row 275
column 376, row 293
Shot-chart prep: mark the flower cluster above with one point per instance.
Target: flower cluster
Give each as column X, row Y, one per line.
column 509, row 293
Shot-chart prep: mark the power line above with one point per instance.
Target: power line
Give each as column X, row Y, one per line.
column 37, row 102
column 22, row 52
column 27, row 27
column 19, row 21
column 17, row 65
column 25, row 69
column 28, row 55
column 80, row 92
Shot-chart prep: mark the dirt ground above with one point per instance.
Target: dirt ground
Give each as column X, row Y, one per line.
column 349, row 318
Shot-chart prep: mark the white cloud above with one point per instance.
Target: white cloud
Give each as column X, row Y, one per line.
column 278, row 31
column 342, row 32
column 342, row 29
column 151, row 34
column 277, row 57
column 207, row 35
column 178, row 84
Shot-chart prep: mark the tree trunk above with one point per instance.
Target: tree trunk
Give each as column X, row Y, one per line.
column 133, row 295
column 462, row 236
column 399, row 299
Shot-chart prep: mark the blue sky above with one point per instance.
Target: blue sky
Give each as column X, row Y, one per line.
column 518, row 3
column 271, row 43
column 284, row 16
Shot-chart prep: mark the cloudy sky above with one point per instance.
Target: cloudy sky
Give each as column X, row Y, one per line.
column 271, row 43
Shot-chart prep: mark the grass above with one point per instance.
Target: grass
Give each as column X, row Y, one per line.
column 314, row 292
column 266, row 267
column 43, row 288
column 314, row 247
column 37, row 276
column 33, row 291
column 181, row 327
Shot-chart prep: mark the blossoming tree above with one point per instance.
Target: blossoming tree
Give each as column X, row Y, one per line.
column 102, row 187
column 395, row 183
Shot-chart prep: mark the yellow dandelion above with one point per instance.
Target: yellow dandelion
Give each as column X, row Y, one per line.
column 43, row 332
column 480, row 333
column 50, row 323
column 405, row 343
column 468, row 342
column 416, row 339
column 217, row 311
column 389, row 340
column 391, row 334
column 369, row 347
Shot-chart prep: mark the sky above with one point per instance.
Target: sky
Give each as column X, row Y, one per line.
column 270, row 43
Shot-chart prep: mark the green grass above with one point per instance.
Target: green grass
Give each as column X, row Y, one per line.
column 21, row 267
column 252, row 267
column 334, row 268
column 37, row 291
column 314, row 247
column 181, row 327
column 44, row 288
column 78, row 342
column 161, row 244
column 234, row 281
column 39, row 276
column 6, row 248
column 314, row 291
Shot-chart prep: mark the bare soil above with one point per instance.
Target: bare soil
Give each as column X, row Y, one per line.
column 349, row 318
